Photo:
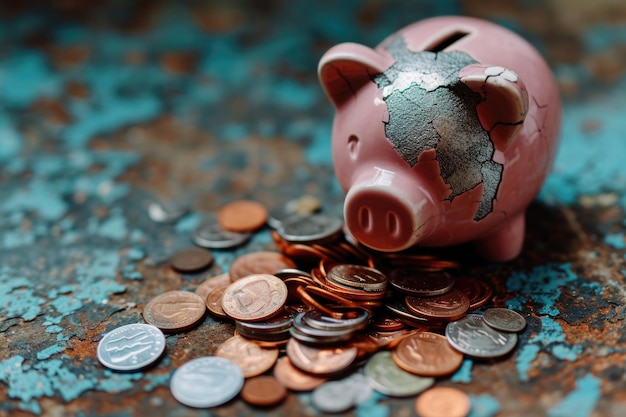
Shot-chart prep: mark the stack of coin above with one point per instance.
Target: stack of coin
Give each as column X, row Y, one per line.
column 314, row 327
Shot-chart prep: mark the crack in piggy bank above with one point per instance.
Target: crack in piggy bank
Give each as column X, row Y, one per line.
column 430, row 108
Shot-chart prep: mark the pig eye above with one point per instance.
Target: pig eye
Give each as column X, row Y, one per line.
column 353, row 146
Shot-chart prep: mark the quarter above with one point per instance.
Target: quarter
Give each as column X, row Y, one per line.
column 131, row 347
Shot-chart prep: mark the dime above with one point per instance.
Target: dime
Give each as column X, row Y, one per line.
column 209, row 234
column 131, row 347
column 206, row 382
column 191, row 259
column 449, row 306
column 387, row 378
column 443, row 402
column 214, row 302
column 166, row 211
column 420, row 283
column 310, row 229
column 252, row 359
column 174, row 310
column 242, row 216
column 426, row 354
column 263, row 391
column 470, row 335
column 293, row 378
column 254, row 298
column 259, row 263
column 358, row 276
column 504, row 320
column 320, row 361
column 204, row 289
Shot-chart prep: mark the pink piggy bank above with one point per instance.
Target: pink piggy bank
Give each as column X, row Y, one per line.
column 443, row 134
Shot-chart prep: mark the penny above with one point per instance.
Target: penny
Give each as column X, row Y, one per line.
column 470, row 335
column 206, row 382
column 263, row 391
column 387, row 378
column 427, row 354
column 293, row 378
column 320, row 361
column 358, row 276
column 477, row 290
column 209, row 234
column 259, row 263
column 443, row 402
column 504, row 319
column 252, row 359
column 214, row 302
column 204, row 289
column 310, row 229
column 174, row 310
column 242, row 216
column 191, row 259
column 254, row 298
column 131, row 347
column 386, row 324
column 420, row 283
column 449, row 306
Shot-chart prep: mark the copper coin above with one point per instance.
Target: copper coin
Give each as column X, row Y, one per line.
column 259, row 263
column 249, row 356
column 427, row 354
column 320, row 361
column 452, row 305
column 254, row 298
column 358, row 276
column 174, row 310
column 263, row 391
column 477, row 290
column 443, row 402
column 293, row 378
column 204, row 289
column 214, row 302
column 191, row 259
column 242, row 216
column 386, row 324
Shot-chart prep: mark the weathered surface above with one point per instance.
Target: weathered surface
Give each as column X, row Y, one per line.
column 103, row 108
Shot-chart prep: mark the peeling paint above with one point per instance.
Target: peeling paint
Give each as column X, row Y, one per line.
column 581, row 401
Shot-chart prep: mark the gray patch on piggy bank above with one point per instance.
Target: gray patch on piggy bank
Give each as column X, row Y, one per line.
column 430, row 108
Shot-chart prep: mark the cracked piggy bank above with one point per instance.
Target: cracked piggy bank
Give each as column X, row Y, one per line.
column 443, row 134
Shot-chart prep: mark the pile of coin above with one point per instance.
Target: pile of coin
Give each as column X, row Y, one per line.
column 314, row 313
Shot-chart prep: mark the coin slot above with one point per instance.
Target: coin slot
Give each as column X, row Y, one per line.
column 393, row 223
column 353, row 146
column 447, row 41
column 364, row 216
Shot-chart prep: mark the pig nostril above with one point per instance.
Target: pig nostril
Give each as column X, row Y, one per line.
column 365, row 218
column 353, row 146
column 393, row 224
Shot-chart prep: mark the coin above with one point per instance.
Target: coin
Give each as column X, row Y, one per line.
column 302, row 206
column 443, row 402
column 477, row 290
column 319, row 360
column 449, row 306
column 174, row 310
column 504, row 319
column 242, row 216
column 191, row 259
column 255, row 297
column 293, row 378
column 204, row 289
column 358, row 276
column 209, row 234
column 131, row 347
column 386, row 324
column 470, row 335
column 263, row 391
column 310, row 229
column 426, row 354
column 214, row 302
column 208, row 381
column 349, row 318
column 420, row 283
column 166, row 211
column 259, row 263
column 387, row 378
column 252, row 359
column 331, row 397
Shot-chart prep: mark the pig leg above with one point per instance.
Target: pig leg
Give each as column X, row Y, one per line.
column 504, row 243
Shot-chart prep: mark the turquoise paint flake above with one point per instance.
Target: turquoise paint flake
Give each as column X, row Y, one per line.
column 188, row 223
column 50, row 351
column 114, row 227
column 25, row 77
column 371, row 407
column 581, row 401
column 616, row 240
column 38, row 197
column 17, row 297
column 10, row 140
column 464, row 373
column 484, row 406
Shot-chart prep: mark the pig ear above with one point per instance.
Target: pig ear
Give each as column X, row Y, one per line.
column 346, row 67
column 504, row 102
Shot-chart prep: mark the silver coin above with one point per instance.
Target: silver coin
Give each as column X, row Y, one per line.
column 470, row 335
column 310, row 229
column 388, row 378
column 420, row 283
column 331, row 397
column 504, row 320
column 302, row 206
column 166, row 211
column 291, row 273
column 131, row 347
column 208, row 381
column 355, row 319
column 209, row 234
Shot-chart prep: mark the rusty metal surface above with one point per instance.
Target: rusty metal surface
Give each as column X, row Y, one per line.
column 106, row 107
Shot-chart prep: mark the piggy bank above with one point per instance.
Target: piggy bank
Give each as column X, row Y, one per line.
column 443, row 134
